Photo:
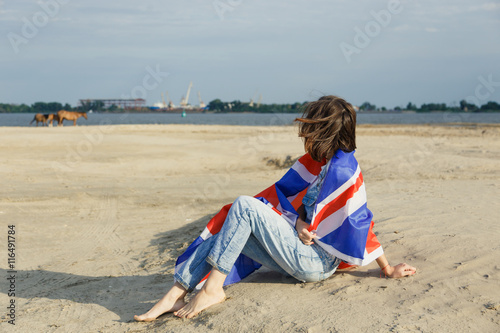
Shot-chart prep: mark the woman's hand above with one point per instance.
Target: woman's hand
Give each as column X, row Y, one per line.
column 399, row 271
column 305, row 235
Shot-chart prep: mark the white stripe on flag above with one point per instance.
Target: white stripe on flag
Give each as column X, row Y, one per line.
column 303, row 172
column 351, row 181
column 206, row 234
column 333, row 221
column 368, row 258
column 290, row 217
column 292, row 197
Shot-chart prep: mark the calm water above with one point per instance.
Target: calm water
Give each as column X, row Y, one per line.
column 253, row 119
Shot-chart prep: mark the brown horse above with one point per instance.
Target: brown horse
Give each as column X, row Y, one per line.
column 68, row 115
column 40, row 118
column 52, row 117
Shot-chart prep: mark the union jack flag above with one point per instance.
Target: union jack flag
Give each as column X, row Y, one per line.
column 341, row 219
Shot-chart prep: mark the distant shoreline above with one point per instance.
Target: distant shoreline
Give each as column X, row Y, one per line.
column 253, row 112
column 361, row 126
column 258, row 119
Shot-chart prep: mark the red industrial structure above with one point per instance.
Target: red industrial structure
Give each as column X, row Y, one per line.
column 126, row 104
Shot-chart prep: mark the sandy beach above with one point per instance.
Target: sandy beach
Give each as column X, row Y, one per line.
column 100, row 214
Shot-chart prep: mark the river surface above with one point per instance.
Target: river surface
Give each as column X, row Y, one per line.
column 255, row 119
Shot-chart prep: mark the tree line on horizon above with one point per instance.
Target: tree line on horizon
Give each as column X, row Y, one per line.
column 237, row 106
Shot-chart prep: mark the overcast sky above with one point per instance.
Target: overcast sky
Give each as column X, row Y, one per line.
column 288, row 51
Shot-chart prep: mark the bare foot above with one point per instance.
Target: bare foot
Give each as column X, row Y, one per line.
column 172, row 301
column 200, row 302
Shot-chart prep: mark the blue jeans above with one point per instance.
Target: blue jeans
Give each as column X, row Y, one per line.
column 254, row 229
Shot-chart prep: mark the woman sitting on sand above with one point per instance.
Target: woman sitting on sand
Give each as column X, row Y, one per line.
column 304, row 225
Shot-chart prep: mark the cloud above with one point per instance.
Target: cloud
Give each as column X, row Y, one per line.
column 414, row 28
column 403, row 27
column 8, row 14
column 489, row 6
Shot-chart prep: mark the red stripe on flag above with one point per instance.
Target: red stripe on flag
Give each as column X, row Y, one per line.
column 215, row 224
column 270, row 194
column 337, row 202
column 311, row 165
column 372, row 242
column 206, row 277
column 277, row 211
column 297, row 202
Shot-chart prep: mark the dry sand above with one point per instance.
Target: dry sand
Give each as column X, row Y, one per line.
column 101, row 213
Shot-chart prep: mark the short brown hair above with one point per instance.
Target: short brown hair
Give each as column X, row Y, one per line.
column 327, row 125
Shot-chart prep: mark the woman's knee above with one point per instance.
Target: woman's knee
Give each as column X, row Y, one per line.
column 245, row 203
column 244, row 200
column 248, row 209
column 240, row 208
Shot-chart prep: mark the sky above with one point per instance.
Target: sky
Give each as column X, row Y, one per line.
column 386, row 52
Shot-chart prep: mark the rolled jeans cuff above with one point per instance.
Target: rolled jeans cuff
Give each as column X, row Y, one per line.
column 183, row 283
column 217, row 266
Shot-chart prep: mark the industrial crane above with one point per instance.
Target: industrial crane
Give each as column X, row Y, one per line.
column 202, row 104
column 184, row 101
column 170, row 103
column 253, row 99
column 260, row 101
column 164, row 105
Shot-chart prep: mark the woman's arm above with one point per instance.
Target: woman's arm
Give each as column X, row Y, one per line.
column 307, row 237
column 303, row 228
column 397, row 271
